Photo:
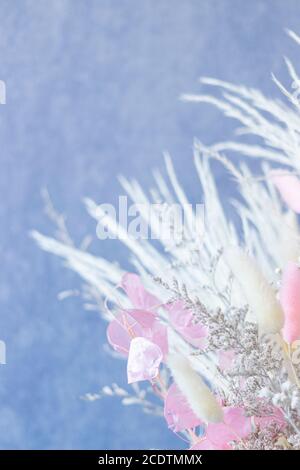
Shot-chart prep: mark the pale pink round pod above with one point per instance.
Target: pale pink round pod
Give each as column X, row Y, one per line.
column 289, row 187
column 290, row 301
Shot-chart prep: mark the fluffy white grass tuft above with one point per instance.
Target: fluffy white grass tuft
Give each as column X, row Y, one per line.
column 198, row 395
column 260, row 295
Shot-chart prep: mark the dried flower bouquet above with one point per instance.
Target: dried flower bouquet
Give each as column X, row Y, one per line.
column 212, row 323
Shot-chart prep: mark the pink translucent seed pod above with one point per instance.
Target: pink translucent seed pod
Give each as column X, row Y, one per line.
column 289, row 187
column 290, row 302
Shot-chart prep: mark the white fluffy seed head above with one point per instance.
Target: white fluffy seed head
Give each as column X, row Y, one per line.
column 198, row 395
column 259, row 294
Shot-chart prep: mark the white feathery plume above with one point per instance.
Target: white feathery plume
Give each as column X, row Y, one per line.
column 259, row 294
column 198, row 395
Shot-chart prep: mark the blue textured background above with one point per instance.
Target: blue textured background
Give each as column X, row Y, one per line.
column 92, row 91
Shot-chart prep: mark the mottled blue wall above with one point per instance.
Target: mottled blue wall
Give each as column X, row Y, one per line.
column 92, row 91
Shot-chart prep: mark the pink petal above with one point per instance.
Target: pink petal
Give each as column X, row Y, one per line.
column 235, row 426
column 290, row 301
column 289, row 187
column 220, row 435
column 132, row 323
column 143, row 360
column 177, row 412
column 144, row 318
column 121, row 330
column 137, row 294
column 183, row 322
column 236, row 419
column 204, row 444
column 159, row 335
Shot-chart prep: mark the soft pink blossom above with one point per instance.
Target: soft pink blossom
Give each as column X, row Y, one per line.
column 177, row 412
column 159, row 335
column 139, row 321
column 137, row 294
column 138, row 333
column 290, row 301
column 289, row 187
column 130, row 324
column 182, row 320
column 121, row 330
column 218, row 436
column 143, row 360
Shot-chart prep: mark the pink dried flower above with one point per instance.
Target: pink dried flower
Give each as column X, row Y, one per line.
column 138, row 333
column 127, row 325
column 289, row 187
column 177, row 411
column 183, row 321
column 290, row 301
column 235, row 426
column 143, row 360
column 137, row 294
